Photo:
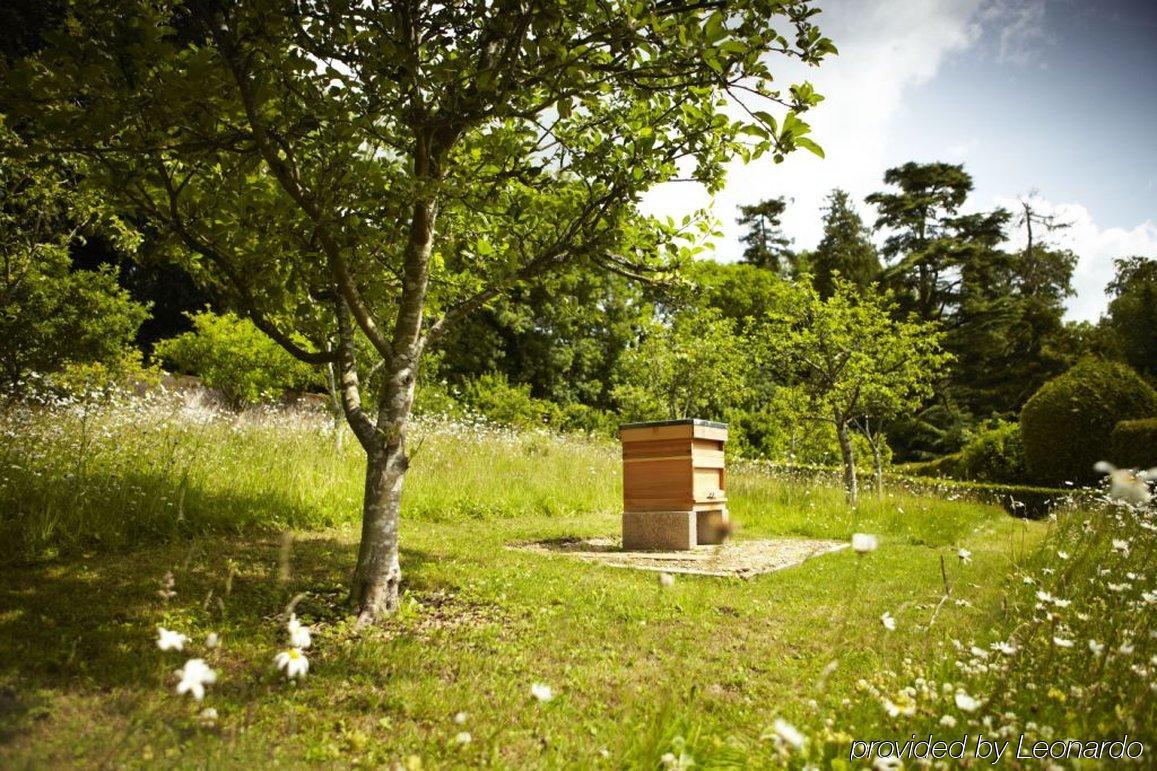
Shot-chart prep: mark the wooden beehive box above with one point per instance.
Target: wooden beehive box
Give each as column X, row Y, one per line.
column 674, row 484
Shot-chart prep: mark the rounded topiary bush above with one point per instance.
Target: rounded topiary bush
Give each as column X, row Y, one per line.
column 1065, row 425
column 1133, row 443
column 996, row 454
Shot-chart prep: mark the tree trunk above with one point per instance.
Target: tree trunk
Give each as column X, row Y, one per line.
column 379, row 572
column 878, row 466
column 338, row 413
column 849, row 461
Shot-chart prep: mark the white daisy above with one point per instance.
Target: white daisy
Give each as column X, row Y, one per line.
column 966, row 703
column 194, row 676
column 293, row 661
column 168, row 640
column 863, row 543
column 788, row 733
column 299, row 634
column 542, row 692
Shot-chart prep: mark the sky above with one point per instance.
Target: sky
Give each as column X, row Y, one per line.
column 1053, row 99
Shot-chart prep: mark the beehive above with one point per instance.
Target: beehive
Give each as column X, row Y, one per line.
column 674, row 484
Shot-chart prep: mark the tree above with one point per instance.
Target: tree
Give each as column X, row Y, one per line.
column 740, row 292
column 845, row 249
column 853, row 360
column 562, row 336
column 917, row 216
column 767, row 246
column 52, row 316
column 695, row 366
column 1133, row 312
column 382, row 171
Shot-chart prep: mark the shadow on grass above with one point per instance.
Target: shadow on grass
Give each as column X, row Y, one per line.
column 88, row 624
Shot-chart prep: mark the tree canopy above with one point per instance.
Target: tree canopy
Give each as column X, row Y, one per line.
column 339, row 171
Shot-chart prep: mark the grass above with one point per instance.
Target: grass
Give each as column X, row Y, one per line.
column 700, row 670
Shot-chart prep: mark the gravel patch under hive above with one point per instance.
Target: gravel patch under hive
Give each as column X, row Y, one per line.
column 735, row 558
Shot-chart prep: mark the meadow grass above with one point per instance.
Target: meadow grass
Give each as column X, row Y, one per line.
column 643, row 675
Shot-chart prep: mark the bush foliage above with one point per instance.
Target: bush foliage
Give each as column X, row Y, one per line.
column 231, row 355
column 1133, row 443
column 1065, row 425
column 995, row 454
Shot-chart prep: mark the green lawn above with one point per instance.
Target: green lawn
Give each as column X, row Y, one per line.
column 700, row 670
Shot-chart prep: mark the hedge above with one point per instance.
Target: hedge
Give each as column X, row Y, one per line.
column 1065, row 425
column 1133, row 443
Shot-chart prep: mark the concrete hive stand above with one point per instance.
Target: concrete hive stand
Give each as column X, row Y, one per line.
column 674, row 484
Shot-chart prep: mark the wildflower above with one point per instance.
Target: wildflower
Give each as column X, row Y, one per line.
column 1096, row 647
column 948, row 721
column 863, row 543
column 293, row 661
column 966, row 703
column 907, row 708
column 464, row 737
column 888, row 622
column 208, row 716
column 460, row 718
column 542, row 692
column 666, row 579
column 166, row 591
column 1061, row 642
column 1121, row 545
column 887, row 763
column 964, row 555
column 1117, row 587
column 1063, row 554
column 168, row 640
column 195, row 675
column 1126, row 647
column 212, row 640
column 1006, row 648
column 1127, row 485
column 299, row 634
column 788, row 733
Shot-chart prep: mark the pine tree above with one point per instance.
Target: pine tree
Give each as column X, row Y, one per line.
column 845, row 249
column 767, row 246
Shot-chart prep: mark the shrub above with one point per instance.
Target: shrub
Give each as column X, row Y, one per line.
column 54, row 317
column 585, row 419
column 435, row 399
column 230, row 354
column 506, row 404
column 1065, row 425
column 995, row 454
column 1133, row 443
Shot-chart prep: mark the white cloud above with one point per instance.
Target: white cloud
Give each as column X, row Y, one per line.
column 886, row 48
column 1020, row 29
column 1096, row 249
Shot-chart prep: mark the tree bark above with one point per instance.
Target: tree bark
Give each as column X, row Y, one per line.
column 878, row 466
column 848, row 453
column 379, row 573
